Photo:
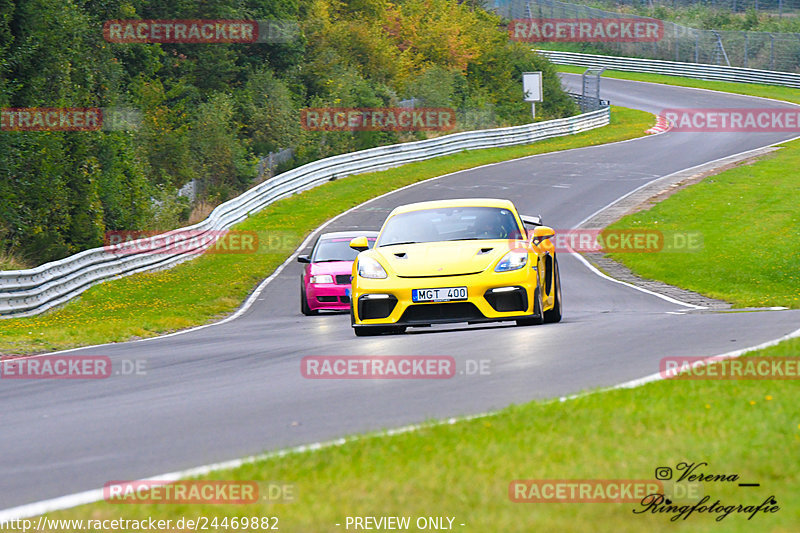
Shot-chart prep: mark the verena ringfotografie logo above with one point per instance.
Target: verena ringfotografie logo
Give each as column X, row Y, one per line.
column 583, row 30
column 378, row 367
column 733, row 119
column 69, row 367
column 767, row 368
column 378, row 119
column 619, row 241
column 199, row 31
column 68, row 119
column 197, row 492
column 692, row 472
column 181, row 242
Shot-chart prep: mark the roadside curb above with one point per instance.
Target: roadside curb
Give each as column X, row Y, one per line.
column 662, row 125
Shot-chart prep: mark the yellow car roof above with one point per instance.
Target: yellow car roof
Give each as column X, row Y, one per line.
column 459, row 202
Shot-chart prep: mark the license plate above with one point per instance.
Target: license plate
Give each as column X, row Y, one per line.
column 445, row 294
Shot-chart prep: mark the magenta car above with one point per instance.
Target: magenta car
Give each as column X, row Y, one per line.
column 325, row 282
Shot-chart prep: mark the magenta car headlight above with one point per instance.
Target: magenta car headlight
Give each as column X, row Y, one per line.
column 322, row 278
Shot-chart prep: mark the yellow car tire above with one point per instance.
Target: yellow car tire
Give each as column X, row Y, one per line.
column 537, row 308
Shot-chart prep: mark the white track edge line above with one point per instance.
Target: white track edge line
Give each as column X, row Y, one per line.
column 669, row 299
column 634, row 383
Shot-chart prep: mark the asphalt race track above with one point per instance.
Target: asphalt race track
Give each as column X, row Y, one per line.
column 236, row 389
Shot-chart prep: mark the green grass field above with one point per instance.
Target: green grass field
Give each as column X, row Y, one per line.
column 463, row 470
column 214, row 285
column 748, row 220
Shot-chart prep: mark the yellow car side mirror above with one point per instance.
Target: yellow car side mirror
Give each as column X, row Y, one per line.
column 542, row 233
column 359, row 243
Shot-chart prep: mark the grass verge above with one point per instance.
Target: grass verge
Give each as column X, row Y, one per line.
column 213, row 285
column 750, row 428
column 746, row 219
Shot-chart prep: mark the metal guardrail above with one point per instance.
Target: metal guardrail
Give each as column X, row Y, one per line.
column 33, row 291
column 674, row 68
column 588, row 103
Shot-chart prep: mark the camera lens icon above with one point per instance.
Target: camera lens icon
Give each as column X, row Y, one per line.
column 663, row 473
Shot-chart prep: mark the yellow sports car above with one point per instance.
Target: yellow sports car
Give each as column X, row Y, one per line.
column 468, row 260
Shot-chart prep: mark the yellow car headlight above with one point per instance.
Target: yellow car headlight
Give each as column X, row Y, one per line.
column 370, row 268
column 512, row 261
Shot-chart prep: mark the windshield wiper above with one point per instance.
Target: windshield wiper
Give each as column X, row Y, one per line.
column 397, row 243
column 467, row 239
column 332, row 260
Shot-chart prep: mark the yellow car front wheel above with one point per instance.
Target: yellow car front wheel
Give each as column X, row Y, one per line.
column 554, row 314
column 538, row 317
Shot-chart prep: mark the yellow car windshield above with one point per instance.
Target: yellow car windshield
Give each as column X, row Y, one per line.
column 450, row 224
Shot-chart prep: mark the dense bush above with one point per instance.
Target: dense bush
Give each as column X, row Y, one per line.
column 209, row 110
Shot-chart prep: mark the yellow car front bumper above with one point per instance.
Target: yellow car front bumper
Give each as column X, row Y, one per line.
column 389, row 301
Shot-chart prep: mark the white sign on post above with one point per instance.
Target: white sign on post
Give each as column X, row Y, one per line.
column 532, row 86
column 532, row 89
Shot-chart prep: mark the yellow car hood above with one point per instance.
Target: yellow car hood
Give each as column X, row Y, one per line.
column 442, row 258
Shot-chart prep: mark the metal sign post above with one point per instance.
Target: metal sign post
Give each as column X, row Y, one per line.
column 532, row 89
